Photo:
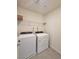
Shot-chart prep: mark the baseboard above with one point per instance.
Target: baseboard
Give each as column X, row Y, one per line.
column 56, row 50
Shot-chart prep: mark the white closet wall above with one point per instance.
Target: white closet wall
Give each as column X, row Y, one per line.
column 30, row 20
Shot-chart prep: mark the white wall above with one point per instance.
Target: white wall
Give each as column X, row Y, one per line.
column 30, row 20
column 53, row 27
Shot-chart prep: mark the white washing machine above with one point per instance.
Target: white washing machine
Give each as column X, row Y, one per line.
column 26, row 45
column 42, row 41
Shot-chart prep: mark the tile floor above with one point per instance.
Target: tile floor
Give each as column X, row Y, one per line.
column 47, row 54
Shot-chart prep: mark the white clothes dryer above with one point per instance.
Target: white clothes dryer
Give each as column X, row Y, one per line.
column 41, row 41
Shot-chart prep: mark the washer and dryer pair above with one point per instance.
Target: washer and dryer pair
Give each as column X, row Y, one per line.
column 29, row 44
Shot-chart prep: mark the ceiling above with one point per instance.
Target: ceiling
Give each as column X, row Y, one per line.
column 40, row 6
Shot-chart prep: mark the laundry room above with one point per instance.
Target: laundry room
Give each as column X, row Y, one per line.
column 38, row 29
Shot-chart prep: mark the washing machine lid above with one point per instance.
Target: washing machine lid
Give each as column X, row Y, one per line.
column 41, row 34
column 26, row 35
